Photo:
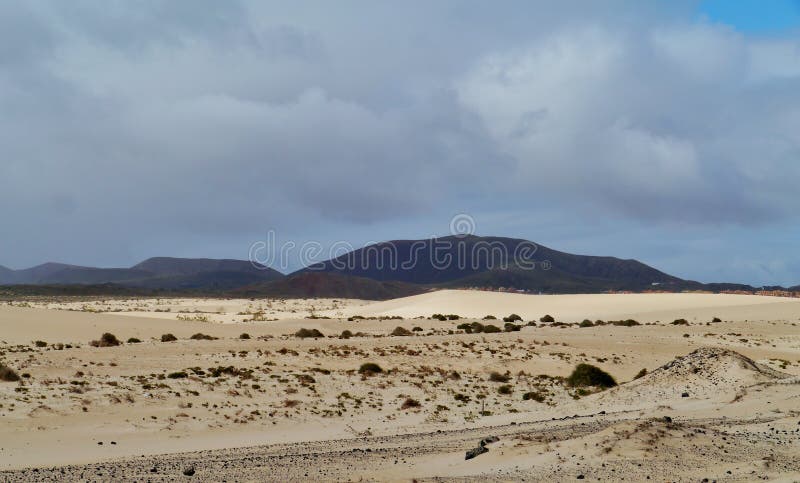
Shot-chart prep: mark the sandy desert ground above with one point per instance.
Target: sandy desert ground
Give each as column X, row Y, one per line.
column 247, row 399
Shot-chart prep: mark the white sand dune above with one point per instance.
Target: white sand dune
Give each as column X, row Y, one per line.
column 573, row 308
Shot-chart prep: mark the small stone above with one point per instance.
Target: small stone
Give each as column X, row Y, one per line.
column 189, row 471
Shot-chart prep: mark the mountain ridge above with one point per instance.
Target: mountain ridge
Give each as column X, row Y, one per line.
column 383, row 270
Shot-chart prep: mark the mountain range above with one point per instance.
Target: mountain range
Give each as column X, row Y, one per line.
column 382, row 271
column 162, row 273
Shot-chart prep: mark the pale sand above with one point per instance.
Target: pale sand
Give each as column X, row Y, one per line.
column 735, row 418
column 574, row 308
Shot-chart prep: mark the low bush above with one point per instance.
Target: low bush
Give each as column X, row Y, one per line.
column 533, row 396
column 586, row 323
column 589, row 375
column 410, row 403
column 680, row 322
column 547, row 318
column 178, row 375
column 640, row 374
column 40, row 343
column 106, row 340
column 401, row 331
column 624, row 323
column 512, row 318
column 244, row 336
column 505, row 389
column 370, row 368
column 134, row 340
column 439, row 317
column 8, row 374
column 490, row 317
column 490, row 329
column 509, row 327
column 346, row 334
column 201, row 336
column 306, row 333
column 168, row 338
column 497, row 377
column 716, row 319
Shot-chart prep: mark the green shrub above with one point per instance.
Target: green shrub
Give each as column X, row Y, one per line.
column 7, row 374
column 439, row 317
column 177, row 375
column 497, row 377
column 490, row 329
column 512, row 318
column 533, row 396
column 201, row 336
column 589, row 375
column 716, row 319
column 134, row 340
column 370, row 368
column 509, row 327
column 168, row 338
column 244, row 336
column 106, row 340
column 306, row 333
column 625, row 323
column 547, row 318
column 586, row 323
column 505, row 389
column 680, row 322
column 490, row 317
column 346, row 334
column 453, row 317
column 40, row 343
column 640, row 374
column 401, row 332
column 410, row 403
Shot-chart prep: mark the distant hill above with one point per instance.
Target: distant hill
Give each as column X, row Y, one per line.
column 494, row 262
column 154, row 273
column 382, row 271
column 330, row 285
column 166, row 266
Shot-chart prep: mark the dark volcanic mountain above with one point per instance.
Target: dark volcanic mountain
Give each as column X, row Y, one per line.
column 381, row 271
column 494, row 262
column 154, row 273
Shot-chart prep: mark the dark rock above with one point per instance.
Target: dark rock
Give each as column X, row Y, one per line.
column 489, row 440
column 667, row 419
column 475, row 452
column 685, row 394
column 189, row 471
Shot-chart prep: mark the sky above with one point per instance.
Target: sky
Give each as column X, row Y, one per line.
column 665, row 131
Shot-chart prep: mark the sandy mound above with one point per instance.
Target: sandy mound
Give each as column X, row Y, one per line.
column 706, row 373
column 715, row 366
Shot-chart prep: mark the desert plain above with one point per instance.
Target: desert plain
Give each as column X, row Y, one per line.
column 707, row 388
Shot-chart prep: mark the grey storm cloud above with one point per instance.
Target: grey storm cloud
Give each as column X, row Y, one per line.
column 122, row 120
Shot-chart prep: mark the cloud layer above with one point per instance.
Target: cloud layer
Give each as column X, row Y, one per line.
column 190, row 127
